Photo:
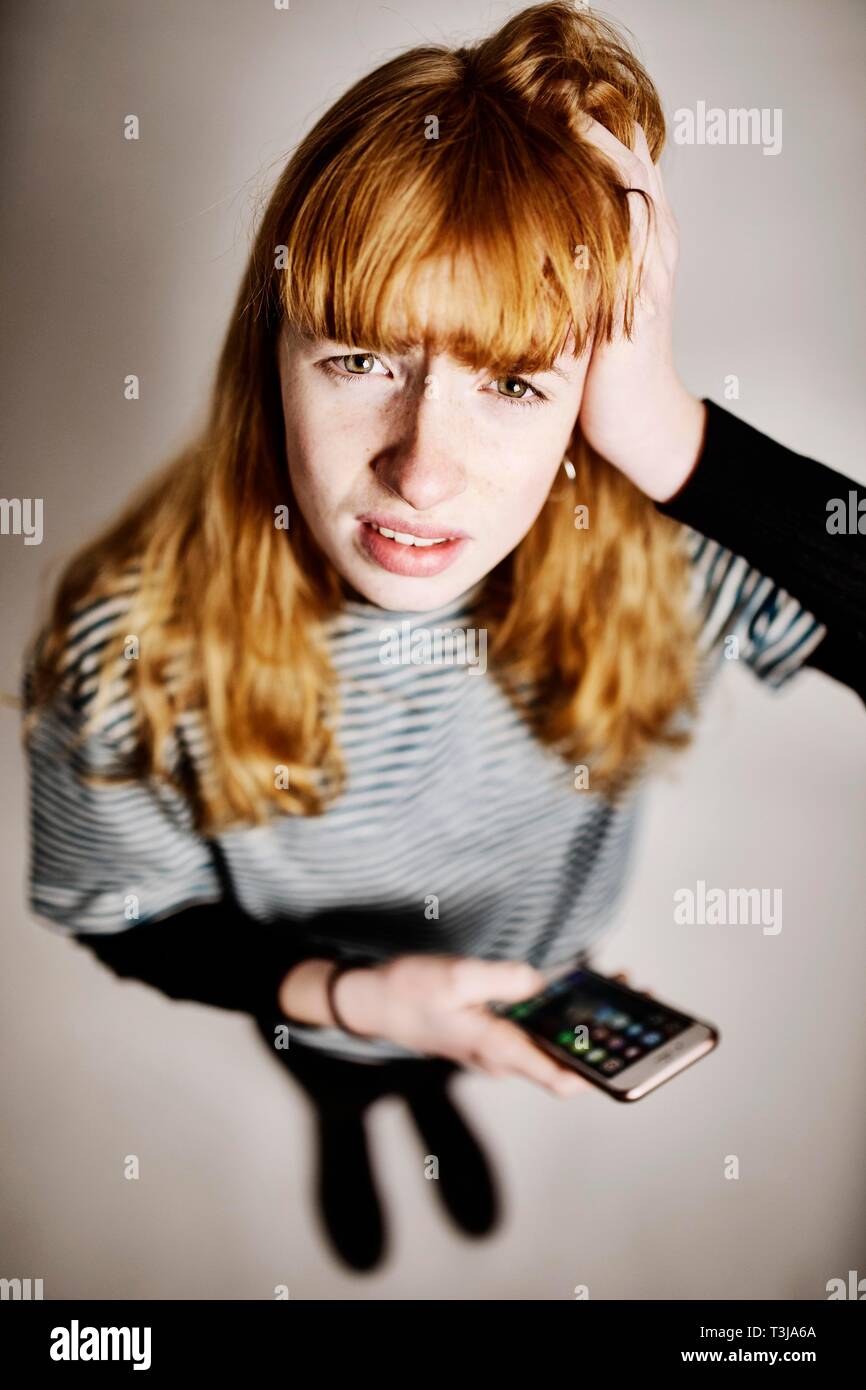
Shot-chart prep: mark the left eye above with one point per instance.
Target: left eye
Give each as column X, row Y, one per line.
column 514, row 388
column 358, row 363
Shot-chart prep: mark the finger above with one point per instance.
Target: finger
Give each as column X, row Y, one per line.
column 642, row 150
column 661, row 205
column 623, row 979
column 635, row 166
column 638, row 172
column 631, row 167
column 638, row 177
column 512, row 1051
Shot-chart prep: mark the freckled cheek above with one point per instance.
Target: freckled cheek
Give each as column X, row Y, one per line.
column 318, row 482
column 321, row 458
column 329, row 443
column 509, row 499
column 531, row 500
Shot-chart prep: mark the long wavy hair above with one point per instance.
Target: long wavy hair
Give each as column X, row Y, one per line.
column 474, row 154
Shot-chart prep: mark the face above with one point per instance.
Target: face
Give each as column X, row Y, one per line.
column 415, row 474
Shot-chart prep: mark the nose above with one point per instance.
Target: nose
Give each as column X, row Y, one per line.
column 423, row 466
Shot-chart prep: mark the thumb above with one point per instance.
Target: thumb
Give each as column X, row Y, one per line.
column 505, row 981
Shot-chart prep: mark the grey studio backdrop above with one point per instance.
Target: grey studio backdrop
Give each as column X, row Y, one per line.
column 125, row 257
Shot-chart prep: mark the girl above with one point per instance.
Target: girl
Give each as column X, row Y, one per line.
column 346, row 721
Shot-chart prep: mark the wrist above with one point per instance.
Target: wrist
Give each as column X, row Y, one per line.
column 304, row 996
column 674, row 444
column 680, row 446
column 657, row 439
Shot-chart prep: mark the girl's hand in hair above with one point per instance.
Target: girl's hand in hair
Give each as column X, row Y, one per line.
column 635, row 410
column 437, row 1005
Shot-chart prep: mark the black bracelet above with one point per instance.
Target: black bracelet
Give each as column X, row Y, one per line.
column 340, row 968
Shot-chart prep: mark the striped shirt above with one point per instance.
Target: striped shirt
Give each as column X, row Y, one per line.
column 457, row 832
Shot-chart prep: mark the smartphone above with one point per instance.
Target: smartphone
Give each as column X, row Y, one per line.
column 622, row 1041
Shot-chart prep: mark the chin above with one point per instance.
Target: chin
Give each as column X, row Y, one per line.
column 398, row 594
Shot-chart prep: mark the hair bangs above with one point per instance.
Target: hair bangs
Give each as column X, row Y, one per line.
column 482, row 256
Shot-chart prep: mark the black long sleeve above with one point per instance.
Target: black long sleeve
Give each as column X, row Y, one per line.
column 770, row 505
column 212, row 953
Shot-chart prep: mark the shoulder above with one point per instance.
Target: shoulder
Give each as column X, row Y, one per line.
column 95, row 624
column 92, row 664
column 748, row 611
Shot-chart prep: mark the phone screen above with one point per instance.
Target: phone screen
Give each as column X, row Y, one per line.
column 590, row 1018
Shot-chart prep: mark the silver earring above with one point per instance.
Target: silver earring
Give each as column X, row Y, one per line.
column 569, row 468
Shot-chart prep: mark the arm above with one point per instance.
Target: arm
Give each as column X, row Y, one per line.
column 433, row 1004
column 212, row 953
column 703, row 466
column 770, row 505
column 94, row 847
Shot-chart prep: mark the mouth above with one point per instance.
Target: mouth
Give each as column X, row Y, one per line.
column 418, row 552
column 407, row 537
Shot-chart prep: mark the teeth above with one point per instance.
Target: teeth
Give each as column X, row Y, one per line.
column 403, row 537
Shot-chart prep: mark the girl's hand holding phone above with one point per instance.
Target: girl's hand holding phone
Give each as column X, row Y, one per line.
column 438, row 1005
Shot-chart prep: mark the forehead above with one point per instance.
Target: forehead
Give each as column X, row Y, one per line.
column 444, row 311
column 478, row 311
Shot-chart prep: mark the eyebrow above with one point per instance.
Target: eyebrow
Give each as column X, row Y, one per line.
column 313, row 340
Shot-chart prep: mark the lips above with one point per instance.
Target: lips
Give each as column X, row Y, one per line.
column 434, row 554
column 424, row 529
